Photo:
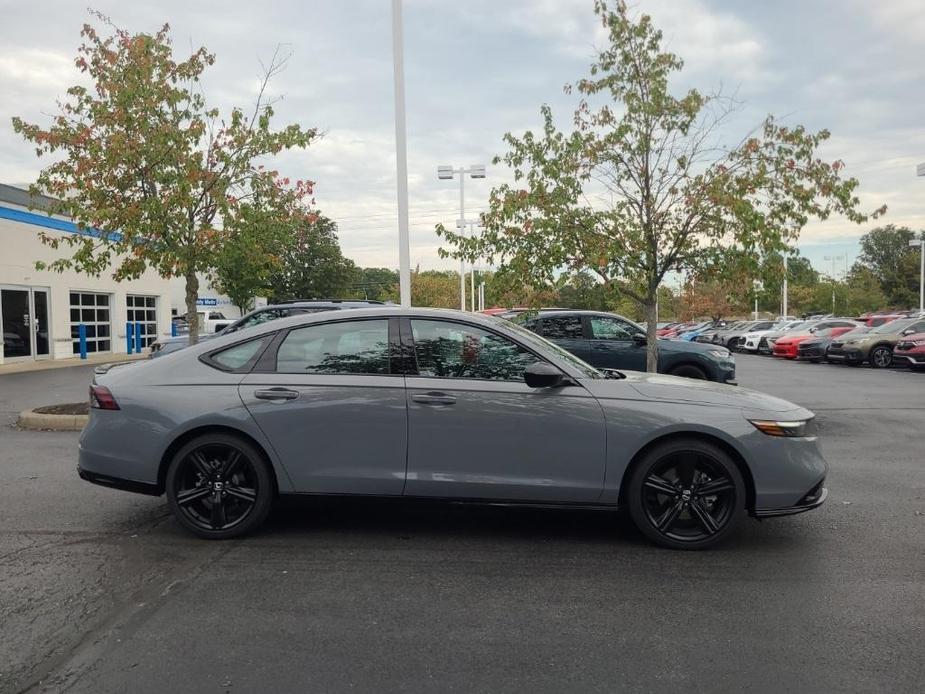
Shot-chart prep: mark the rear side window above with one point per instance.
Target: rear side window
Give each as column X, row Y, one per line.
column 348, row 347
column 562, row 328
column 239, row 356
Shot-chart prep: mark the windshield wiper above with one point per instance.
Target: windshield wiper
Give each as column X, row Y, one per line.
column 613, row 373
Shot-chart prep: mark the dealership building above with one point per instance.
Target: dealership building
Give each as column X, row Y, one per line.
column 52, row 315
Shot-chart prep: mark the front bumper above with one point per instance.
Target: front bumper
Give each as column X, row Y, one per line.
column 912, row 358
column 847, row 355
column 812, row 499
column 813, row 352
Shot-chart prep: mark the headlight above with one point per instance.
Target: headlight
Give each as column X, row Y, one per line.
column 799, row 428
column 719, row 353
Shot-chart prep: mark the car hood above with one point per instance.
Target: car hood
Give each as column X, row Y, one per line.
column 689, row 391
column 683, row 346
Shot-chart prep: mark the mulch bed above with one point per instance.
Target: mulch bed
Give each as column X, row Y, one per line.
column 71, row 408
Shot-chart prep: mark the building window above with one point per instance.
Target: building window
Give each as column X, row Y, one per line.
column 142, row 311
column 91, row 310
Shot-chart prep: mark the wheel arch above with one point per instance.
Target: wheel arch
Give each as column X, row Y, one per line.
column 726, row 447
column 689, row 362
column 196, row 432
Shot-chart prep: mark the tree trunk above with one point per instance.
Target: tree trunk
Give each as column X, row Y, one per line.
column 651, row 308
column 192, row 317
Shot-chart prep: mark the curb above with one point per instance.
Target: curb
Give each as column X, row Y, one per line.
column 36, row 421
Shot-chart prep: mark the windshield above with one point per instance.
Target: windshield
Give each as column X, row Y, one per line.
column 895, row 326
column 541, row 343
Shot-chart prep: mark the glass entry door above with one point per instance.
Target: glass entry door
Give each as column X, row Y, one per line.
column 24, row 322
column 41, row 328
column 16, row 322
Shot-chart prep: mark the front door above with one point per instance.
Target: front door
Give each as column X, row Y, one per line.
column 476, row 430
column 613, row 346
column 24, row 323
column 332, row 408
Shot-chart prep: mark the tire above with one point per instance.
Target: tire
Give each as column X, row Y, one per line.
column 197, row 476
column 689, row 371
column 657, row 488
column 880, row 357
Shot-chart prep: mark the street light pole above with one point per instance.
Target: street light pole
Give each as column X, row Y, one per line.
column 921, row 244
column 401, row 156
column 447, row 173
column 833, row 258
column 785, row 287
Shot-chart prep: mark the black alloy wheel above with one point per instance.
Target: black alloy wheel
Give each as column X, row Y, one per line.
column 219, row 487
column 881, row 357
column 686, row 494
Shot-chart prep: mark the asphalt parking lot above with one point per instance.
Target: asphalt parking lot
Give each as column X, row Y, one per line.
column 101, row 591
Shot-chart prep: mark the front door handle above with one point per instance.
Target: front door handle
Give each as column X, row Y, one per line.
column 434, row 398
column 276, row 394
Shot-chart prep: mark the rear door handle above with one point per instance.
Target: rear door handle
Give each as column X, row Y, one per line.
column 434, row 398
column 276, row 394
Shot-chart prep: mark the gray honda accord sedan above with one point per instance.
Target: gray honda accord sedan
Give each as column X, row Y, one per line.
column 424, row 403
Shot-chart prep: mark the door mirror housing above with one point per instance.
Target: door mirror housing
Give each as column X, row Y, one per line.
column 639, row 338
column 543, row 375
column 908, row 331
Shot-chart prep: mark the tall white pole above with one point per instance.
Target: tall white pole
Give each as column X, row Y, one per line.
column 472, row 273
column 401, row 156
column 922, row 276
column 462, row 220
column 785, row 287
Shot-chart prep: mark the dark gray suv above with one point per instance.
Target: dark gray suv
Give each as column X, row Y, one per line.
column 610, row 341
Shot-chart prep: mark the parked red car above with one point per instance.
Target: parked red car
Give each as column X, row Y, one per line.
column 911, row 350
column 786, row 346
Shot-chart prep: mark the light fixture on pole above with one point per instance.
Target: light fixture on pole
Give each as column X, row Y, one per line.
column 401, row 156
column 921, row 245
column 445, row 173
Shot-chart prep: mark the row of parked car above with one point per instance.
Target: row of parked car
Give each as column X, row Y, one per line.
column 880, row 340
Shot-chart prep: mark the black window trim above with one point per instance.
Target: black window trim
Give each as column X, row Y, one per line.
column 267, row 362
column 407, row 337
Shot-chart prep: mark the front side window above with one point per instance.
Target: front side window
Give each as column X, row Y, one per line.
column 562, row 328
column 605, row 328
column 348, row 347
column 452, row 350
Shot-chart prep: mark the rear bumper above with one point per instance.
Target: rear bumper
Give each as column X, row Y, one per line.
column 119, row 483
column 812, row 499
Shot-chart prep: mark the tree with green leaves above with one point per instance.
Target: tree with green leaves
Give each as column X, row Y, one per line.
column 645, row 185
column 311, row 265
column 885, row 251
column 154, row 174
column 256, row 242
column 373, row 283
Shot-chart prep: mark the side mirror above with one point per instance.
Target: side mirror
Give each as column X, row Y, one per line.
column 639, row 338
column 908, row 331
column 543, row 375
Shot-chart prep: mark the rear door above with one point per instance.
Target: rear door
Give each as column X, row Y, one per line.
column 613, row 346
column 568, row 332
column 332, row 404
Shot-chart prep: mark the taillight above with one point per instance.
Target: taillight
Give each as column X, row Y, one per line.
column 101, row 398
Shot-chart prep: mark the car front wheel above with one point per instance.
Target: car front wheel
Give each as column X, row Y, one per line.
column 219, row 486
column 689, row 371
column 686, row 494
column 881, row 357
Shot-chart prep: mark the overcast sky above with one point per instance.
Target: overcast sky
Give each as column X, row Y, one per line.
column 478, row 68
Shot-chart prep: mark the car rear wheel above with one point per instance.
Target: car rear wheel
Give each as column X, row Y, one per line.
column 219, row 486
column 880, row 357
column 689, row 371
column 686, row 494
